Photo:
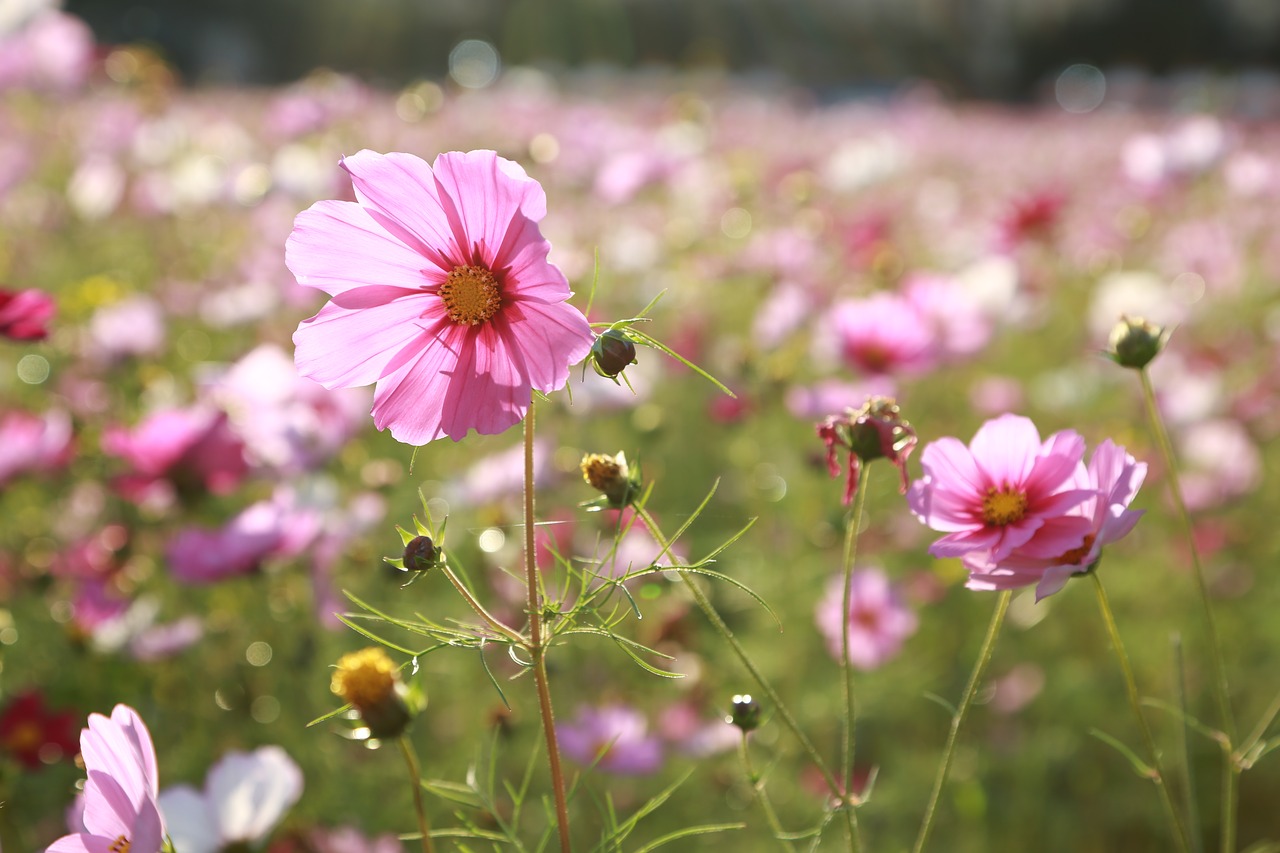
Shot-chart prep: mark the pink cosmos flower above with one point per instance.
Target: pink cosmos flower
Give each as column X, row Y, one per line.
column 1007, row 490
column 192, row 447
column 1113, row 477
column 120, row 811
column 616, row 735
column 884, row 333
column 878, row 620
column 442, row 294
column 33, row 443
column 25, row 314
column 271, row 528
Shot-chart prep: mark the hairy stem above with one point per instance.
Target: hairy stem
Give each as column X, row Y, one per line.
column 850, row 700
column 537, row 650
column 1135, row 702
column 957, row 719
column 480, row 610
column 415, row 776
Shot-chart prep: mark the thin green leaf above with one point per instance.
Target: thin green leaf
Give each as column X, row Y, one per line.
column 739, row 584
column 690, row 831
column 329, row 716
column 654, row 343
column 453, row 792
column 734, row 538
column 484, row 663
column 951, row 710
column 1139, row 766
column 372, row 636
column 595, row 280
column 644, row 811
column 1208, row 731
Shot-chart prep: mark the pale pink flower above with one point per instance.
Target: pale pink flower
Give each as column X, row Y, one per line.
column 879, row 622
column 884, row 333
column 616, row 735
column 442, row 294
column 1113, row 477
column 33, row 443
column 1007, row 490
column 120, row 809
column 244, row 797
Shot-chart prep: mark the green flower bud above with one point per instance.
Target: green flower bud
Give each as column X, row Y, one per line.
column 1135, row 342
column 744, row 713
column 612, row 353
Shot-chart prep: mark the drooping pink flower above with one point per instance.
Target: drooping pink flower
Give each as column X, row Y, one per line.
column 442, row 294
column 878, row 619
column 1007, row 490
column 1113, row 476
column 25, row 314
column 120, row 811
column 877, row 430
column 33, row 443
column 193, row 447
column 616, row 735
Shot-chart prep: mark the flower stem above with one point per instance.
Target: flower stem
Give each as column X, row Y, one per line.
column 757, row 786
column 850, row 700
column 480, row 610
column 713, row 616
column 537, row 650
column 1135, row 702
column 957, row 719
column 1222, row 692
column 415, row 776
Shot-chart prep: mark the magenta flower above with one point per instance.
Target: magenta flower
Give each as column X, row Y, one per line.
column 193, row 447
column 442, row 294
column 25, row 314
column 33, row 443
column 616, row 735
column 882, row 334
column 120, row 811
column 1114, row 478
column 878, row 620
column 1007, row 490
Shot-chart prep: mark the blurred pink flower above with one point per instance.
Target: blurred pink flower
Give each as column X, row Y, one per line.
column 1007, row 490
column 193, row 447
column 25, row 314
column 1113, row 478
column 348, row 840
column 878, row 619
column 270, row 528
column 120, row 809
column 883, row 333
column 54, row 51
column 960, row 325
column 686, row 728
column 33, row 443
column 442, row 294
column 1029, row 218
column 616, row 735
column 244, row 797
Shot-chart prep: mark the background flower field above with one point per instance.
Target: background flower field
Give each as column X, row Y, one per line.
column 180, row 513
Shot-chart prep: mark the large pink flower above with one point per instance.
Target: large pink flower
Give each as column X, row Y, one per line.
column 442, row 294
column 1114, row 476
column 1007, row 490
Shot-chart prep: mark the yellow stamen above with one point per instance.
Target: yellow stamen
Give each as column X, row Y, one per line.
column 364, row 678
column 120, row 845
column 1075, row 555
column 1004, row 506
column 470, row 295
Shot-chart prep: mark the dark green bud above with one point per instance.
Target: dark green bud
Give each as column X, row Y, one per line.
column 1135, row 342
column 420, row 555
column 612, row 353
column 744, row 713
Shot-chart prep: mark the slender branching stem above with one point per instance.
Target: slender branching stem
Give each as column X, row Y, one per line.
column 537, row 649
column 852, row 525
column 1135, row 701
column 415, row 777
column 762, row 796
column 1222, row 692
column 1189, row 790
column 957, row 719
column 480, row 610
column 713, row 616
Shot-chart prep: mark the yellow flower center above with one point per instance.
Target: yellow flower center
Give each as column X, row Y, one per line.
column 470, row 295
column 1004, row 506
column 120, row 845
column 25, row 736
column 1075, row 555
column 364, row 678
column 600, row 470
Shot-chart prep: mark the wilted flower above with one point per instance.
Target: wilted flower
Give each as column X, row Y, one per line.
column 244, row 797
column 442, row 294
column 33, row 734
column 615, row 738
column 878, row 620
column 370, row 682
column 876, row 431
column 1006, row 491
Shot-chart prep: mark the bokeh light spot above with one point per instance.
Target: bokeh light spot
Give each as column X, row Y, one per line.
column 265, row 709
column 258, row 654
column 492, row 540
column 33, row 369
column 1080, row 88
column 474, row 64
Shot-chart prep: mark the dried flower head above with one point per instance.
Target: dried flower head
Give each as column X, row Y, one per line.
column 612, row 477
column 875, row 431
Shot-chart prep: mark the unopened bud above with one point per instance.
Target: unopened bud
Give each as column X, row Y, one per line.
column 1135, row 342
column 612, row 477
column 368, row 679
column 612, row 353
column 744, row 713
column 420, row 555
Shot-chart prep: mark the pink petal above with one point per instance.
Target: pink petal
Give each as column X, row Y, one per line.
column 1058, row 465
column 403, row 196
column 340, row 348
column 488, row 194
column 949, row 462
column 108, row 809
column 1054, row 579
column 136, row 730
column 1005, row 449
column 547, row 338
column 1056, row 537
column 81, row 843
column 337, row 245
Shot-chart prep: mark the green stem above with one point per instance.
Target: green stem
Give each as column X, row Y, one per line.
column 1135, row 702
column 1222, row 692
column 537, row 650
column 849, row 733
column 415, row 775
column 713, row 616
column 1193, row 814
column 757, row 786
column 480, row 610
column 957, row 719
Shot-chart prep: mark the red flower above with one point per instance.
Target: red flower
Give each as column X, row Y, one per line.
column 34, row 735
column 25, row 314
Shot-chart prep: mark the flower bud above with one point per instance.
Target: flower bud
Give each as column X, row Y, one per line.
column 368, row 679
column 420, row 555
column 612, row 353
column 1135, row 342
column 744, row 713
column 612, row 477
